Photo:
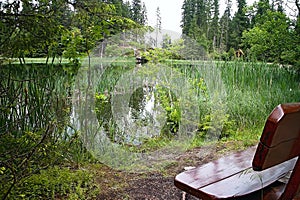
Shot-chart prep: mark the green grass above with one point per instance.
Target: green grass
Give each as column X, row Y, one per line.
column 253, row 90
column 36, row 61
column 94, row 60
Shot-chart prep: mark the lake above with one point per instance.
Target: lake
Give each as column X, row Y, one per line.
column 130, row 115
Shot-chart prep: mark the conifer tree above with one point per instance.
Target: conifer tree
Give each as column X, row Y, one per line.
column 239, row 23
column 188, row 13
column 138, row 12
column 158, row 25
column 224, row 27
column 214, row 34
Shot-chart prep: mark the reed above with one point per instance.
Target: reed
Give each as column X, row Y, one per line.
column 254, row 89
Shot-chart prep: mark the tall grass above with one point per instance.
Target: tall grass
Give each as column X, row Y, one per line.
column 254, row 89
column 35, row 109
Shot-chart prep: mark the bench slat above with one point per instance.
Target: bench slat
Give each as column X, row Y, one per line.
column 248, row 181
column 234, row 176
column 217, row 170
column 243, row 183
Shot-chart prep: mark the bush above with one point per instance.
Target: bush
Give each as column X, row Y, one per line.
column 55, row 182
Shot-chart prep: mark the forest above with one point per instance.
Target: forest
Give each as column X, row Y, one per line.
column 63, row 132
column 266, row 31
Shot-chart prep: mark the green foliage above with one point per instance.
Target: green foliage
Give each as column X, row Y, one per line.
column 265, row 31
column 208, row 128
column 57, row 183
column 156, row 55
column 35, row 114
column 115, row 50
column 271, row 39
column 73, row 42
column 253, row 90
column 47, row 29
column 169, row 51
column 173, row 112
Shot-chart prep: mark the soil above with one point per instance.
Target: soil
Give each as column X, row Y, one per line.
column 156, row 185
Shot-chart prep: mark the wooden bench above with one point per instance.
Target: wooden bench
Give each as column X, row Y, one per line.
column 270, row 170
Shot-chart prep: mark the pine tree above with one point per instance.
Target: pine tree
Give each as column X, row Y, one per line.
column 239, row 23
column 144, row 15
column 224, row 27
column 188, row 13
column 138, row 12
column 202, row 16
column 158, row 25
column 214, row 34
column 194, row 21
column 126, row 9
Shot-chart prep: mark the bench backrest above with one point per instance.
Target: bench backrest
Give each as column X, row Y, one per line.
column 280, row 140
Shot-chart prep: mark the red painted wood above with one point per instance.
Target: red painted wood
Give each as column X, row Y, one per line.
column 239, row 184
column 281, row 136
column 293, row 185
column 284, row 119
column 231, row 177
column 248, row 181
column 217, row 170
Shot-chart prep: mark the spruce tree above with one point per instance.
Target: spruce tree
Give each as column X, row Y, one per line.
column 137, row 12
column 239, row 23
column 224, row 27
column 214, row 34
column 188, row 13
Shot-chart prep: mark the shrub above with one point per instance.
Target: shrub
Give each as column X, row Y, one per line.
column 56, row 183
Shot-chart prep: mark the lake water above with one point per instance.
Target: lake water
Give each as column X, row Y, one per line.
column 121, row 108
column 117, row 109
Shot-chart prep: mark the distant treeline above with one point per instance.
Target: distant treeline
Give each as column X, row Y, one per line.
column 268, row 30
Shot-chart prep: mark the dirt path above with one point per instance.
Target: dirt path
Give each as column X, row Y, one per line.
column 119, row 185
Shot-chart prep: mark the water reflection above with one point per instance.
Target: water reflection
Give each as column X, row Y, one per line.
column 142, row 118
column 145, row 116
column 120, row 106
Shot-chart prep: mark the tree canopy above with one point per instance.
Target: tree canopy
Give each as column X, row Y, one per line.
column 63, row 27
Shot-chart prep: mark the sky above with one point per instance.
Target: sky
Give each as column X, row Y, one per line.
column 170, row 13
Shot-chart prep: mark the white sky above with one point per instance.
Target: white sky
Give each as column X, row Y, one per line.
column 170, row 13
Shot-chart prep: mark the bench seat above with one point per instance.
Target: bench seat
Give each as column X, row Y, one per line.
column 230, row 176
